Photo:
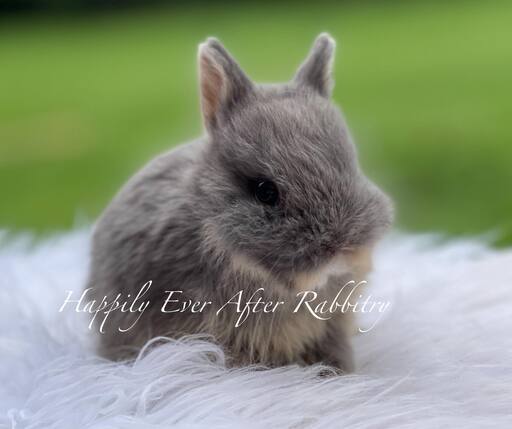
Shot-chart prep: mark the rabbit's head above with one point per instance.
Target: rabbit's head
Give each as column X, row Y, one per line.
column 279, row 184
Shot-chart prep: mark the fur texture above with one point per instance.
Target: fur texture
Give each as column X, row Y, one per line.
column 190, row 220
column 440, row 358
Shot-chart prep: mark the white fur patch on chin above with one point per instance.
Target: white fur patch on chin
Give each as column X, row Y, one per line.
column 340, row 264
column 311, row 280
column 244, row 265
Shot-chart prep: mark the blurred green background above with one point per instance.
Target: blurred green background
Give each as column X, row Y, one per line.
column 86, row 98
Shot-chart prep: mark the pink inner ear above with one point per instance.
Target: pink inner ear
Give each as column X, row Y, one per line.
column 212, row 83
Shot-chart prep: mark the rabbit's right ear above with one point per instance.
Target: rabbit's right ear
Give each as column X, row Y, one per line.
column 316, row 71
column 223, row 84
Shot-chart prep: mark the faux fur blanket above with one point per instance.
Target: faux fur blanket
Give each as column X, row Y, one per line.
column 441, row 355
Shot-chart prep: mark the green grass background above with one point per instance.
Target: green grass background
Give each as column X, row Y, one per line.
column 426, row 88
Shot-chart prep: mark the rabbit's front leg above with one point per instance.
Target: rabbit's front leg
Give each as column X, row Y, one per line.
column 333, row 349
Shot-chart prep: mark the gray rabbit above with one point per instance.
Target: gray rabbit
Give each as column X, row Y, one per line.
column 272, row 197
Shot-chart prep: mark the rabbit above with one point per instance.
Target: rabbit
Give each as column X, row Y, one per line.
column 271, row 199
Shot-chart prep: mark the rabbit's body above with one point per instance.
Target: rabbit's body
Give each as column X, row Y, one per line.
column 272, row 198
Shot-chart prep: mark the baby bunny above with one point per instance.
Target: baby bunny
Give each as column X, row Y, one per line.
column 272, row 197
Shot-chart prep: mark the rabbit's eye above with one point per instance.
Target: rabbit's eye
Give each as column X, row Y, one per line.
column 266, row 192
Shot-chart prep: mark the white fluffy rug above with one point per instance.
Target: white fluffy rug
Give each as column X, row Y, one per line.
column 440, row 357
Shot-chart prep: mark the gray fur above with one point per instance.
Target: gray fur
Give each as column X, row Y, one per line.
column 186, row 218
column 316, row 70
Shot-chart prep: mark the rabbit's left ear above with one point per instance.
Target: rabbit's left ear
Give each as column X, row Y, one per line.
column 315, row 72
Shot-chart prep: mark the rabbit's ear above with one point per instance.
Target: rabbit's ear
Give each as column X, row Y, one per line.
column 223, row 84
column 315, row 72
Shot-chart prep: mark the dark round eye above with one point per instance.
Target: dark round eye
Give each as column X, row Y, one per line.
column 266, row 192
